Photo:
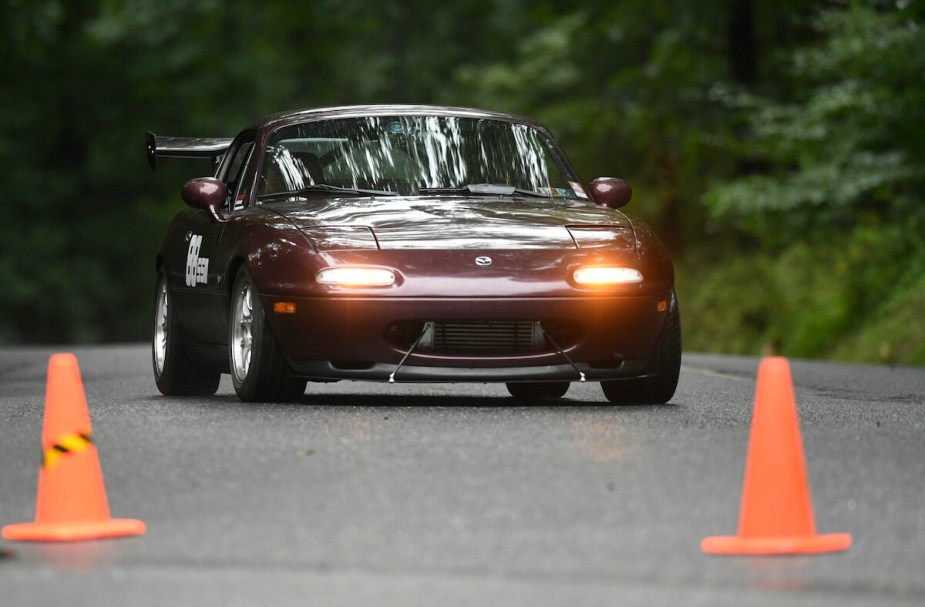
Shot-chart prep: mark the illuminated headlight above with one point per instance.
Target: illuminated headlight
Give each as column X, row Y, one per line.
column 600, row 276
column 356, row 277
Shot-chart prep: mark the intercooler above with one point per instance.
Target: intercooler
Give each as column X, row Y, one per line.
column 482, row 336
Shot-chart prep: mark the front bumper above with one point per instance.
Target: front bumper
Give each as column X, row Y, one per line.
column 345, row 338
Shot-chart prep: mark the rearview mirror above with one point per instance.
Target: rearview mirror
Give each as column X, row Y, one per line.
column 611, row 192
column 206, row 193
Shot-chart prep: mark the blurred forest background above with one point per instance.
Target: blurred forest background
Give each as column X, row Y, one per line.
column 778, row 147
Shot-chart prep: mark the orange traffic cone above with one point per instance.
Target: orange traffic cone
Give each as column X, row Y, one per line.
column 71, row 502
column 776, row 515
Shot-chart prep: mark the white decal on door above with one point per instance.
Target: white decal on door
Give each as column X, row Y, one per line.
column 197, row 268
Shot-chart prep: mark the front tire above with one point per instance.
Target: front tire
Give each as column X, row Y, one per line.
column 174, row 372
column 657, row 389
column 259, row 371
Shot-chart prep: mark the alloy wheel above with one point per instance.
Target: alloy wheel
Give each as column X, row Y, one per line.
column 160, row 328
column 242, row 335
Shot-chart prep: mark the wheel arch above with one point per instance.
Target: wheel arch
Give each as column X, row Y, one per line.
column 234, row 266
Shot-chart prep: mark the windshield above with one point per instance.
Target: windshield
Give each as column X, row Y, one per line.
column 416, row 155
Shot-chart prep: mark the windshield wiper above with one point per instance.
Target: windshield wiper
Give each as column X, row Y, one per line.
column 324, row 188
column 484, row 189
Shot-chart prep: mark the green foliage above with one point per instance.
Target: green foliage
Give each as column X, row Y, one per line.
column 829, row 194
column 853, row 297
column 895, row 333
column 845, row 137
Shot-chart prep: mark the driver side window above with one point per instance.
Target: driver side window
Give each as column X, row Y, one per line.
column 238, row 188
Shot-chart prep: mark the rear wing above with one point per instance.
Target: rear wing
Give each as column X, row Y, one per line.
column 185, row 147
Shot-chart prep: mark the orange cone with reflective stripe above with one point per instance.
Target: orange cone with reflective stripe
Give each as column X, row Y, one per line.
column 71, row 503
column 776, row 515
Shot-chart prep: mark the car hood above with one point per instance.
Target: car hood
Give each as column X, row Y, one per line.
column 440, row 223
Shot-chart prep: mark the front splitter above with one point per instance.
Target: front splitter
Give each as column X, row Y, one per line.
column 326, row 371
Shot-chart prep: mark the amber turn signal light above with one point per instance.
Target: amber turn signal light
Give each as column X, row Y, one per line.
column 284, row 307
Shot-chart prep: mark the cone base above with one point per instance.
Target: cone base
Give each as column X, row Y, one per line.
column 813, row 544
column 65, row 532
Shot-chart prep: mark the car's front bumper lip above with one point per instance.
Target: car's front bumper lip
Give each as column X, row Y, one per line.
column 326, row 371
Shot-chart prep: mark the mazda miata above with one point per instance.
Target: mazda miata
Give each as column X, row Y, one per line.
column 407, row 244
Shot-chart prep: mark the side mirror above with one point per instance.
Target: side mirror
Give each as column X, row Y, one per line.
column 206, row 193
column 611, row 192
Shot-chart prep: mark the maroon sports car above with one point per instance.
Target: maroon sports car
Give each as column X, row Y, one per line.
column 407, row 244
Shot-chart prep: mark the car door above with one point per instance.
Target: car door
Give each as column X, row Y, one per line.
column 209, row 246
column 238, row 178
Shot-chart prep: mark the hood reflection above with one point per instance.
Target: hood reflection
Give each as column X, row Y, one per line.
column 463, row 223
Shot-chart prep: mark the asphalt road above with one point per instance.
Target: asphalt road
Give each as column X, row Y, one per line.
column 451, row 495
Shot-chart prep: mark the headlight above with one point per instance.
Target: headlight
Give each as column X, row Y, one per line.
column 356, row 277
column 601, row 276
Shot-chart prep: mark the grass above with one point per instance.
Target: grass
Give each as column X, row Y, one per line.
column 857, row 296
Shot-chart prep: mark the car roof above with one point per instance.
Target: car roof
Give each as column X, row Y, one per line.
column 273, row 121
